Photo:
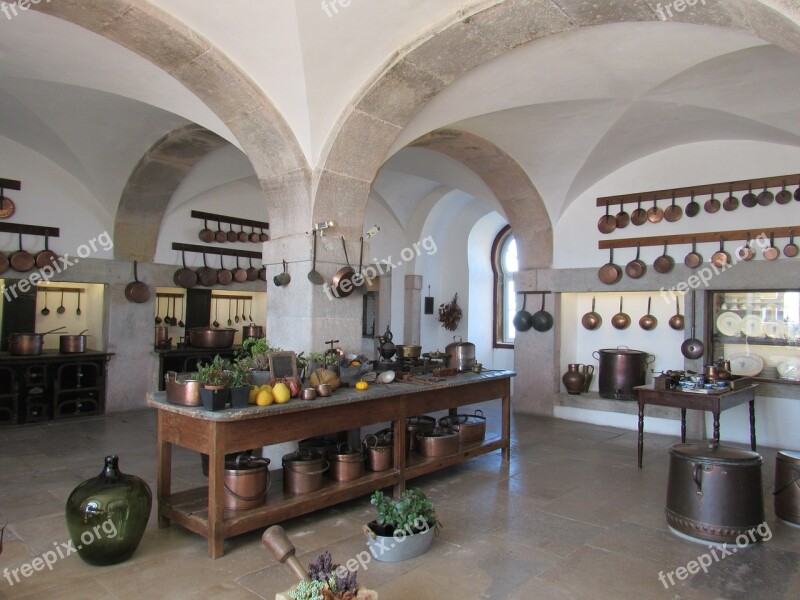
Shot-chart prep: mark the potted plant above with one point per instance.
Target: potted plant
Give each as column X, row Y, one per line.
column 404, row 528
column 238, row 382
column 214, row 378
column 255, row 354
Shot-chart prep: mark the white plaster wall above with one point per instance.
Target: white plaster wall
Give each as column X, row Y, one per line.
column 576, row 235
column 51, row 197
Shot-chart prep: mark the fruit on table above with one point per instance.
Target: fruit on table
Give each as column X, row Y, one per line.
column 264, row 398
column 325, row 376
column 362, row 385
column 355, row 363
column 281, row 393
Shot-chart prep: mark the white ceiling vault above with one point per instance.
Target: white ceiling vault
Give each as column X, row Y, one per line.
column 571, row 108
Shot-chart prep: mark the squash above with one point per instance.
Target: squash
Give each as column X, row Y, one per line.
column 362, row 385
column 325, row 376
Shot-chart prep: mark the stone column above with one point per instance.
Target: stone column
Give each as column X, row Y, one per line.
column 411, row 310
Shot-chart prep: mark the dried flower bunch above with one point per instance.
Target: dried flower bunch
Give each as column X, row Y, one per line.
column 328, row 582
column 450, row 314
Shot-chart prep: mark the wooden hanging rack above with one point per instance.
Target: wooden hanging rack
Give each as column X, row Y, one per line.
column 10, row 184
column 530, row 293
column 54, row 289
column 215, row 250
column 726, row 187
column 227, row 297
column 688, row 238
column 197, row 214
column 39, row 230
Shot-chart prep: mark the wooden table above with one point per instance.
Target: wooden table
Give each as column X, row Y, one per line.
column 715, row 403
column 218, row 433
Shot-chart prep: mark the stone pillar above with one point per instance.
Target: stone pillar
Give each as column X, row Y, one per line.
column 411, row 310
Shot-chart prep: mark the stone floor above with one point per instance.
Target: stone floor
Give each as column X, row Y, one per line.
column 569, row 517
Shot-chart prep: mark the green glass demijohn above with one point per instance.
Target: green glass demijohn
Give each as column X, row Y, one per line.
column 107, row 515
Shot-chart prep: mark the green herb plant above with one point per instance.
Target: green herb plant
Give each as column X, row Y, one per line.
column 408, row 512
column 308, row 590
column 213, row 373
column 238, row 373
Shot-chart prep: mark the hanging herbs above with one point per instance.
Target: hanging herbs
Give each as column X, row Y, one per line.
column 450, row 314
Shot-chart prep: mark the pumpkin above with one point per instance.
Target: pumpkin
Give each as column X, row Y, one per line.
column 325, row 376
column 362, row 385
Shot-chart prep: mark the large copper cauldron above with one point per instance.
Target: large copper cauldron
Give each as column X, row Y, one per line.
column 714, row 492
column 621, row 370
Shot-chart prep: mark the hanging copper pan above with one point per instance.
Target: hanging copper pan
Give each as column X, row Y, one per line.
column 607, row 223
column 254, row 237
column 137, row 291
column 772, row 252
column 231, row 235
column 220, row 235
column 621, row 320
column 22, row 260
column 721, row 258
column 664, row 263
column 797, row 193
column 262, row 272
column 252, row 272
column 790, row 250
column 239, row 274
column 677, row 320
column 745, row 252
column 224, row 276
column 693, row 208
column 242, row 235
column 693, row 259
column 749, row 200
column 346, row 274
column 639, row 216
column 636, row 268
column 731, row 202
column 673, row 212
column 784, row 196
column 610, row 273
column 766, row 197
column 3, row 263
column 263, row 236
column 655, row 214
column 206, row 235
column 46, row 257
column 205, row 274
column 622, row 218
column 712, row 205
column 185, row 277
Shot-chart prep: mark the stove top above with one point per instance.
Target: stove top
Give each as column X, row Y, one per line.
column 415, row 366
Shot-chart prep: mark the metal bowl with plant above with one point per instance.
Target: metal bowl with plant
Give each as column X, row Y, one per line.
column 410, row 523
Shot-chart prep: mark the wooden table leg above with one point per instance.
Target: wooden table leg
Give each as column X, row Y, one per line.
column 641, row 434
column 506, row 425
column 163, row 476
column 399, row 455
column 216, row 465
column 683, row 426
column 753, row 425
column 716, row 426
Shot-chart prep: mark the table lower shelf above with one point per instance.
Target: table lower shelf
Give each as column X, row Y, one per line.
column 417, row 465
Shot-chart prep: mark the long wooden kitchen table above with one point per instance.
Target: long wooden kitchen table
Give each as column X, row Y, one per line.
column 219, row 433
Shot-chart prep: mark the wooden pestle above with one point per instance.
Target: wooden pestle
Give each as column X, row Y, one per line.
column 276, row 540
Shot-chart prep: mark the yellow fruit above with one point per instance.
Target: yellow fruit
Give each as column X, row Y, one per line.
column 266, row 387
column 281, row 393
column 264, row 398
column 362, row 385
column 355, row 363
column 253, row 393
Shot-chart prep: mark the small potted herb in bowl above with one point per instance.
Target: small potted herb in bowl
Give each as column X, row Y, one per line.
column 214, row 378
column 404, row 528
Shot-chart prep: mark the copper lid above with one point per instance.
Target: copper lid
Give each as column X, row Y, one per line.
column 789, row 456
column 713, row 453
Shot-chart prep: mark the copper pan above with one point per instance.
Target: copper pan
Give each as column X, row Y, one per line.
column 639, row 216
column 224, row 276
column 607, row 223
column 673, row 212
column 239, row 274
column 22, row 260
column 636, row 268
column 655, row 214
column 610, row 273
column 137, row 291
column 664, row 263
column 185, row 277
column 46, row 257
column 205, row 274
column 746, row 252
column 206, row 235
column 721, row 258
column 693, row 259
column 342, row 282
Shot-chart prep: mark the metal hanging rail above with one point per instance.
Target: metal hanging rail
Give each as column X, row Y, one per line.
column 39, row 230
column 10, row 184
column 197, row 214
column 215, row 250
column 688, row 238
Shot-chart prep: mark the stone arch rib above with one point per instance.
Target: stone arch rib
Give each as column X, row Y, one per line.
column 151, row 185
column 265, row 137
column 509, row 183
column 363, row 135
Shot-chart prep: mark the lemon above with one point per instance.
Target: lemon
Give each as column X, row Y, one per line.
column 253, row 393
column 266, row 386
column 281, row 393
column 264, row 398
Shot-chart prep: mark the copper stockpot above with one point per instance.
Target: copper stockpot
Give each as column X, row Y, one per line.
column 182, row 389
column 72, row 344
column 27, row 344
column 413, row 426
column 787, row 486
column 303, row 471
column 346, row 464
column 714, row 492
column 205, row 337
column 252, row 331
column 470, row 428
column 246, row 482
column 439, row 441
column 378, row 450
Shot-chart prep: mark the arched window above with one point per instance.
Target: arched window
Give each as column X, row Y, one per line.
column 504, row 265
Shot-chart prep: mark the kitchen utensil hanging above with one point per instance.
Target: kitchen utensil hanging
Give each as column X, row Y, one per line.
column 712, row 205
column 607, row 223
column 78, row 310
column 693, row 259
column 592, row 319
column 314, row 276
column 790, row 250
column 693, row 208
column 766, row 197
column 673, row 212
column 677, row 321
column 655, row 214
column 636, row 268
column 749, row 200
column 731, row 202
column 639, row 216
column 784, row 196
column 648, row 322
column 45, row 310
column 542, row 320
column 692, row 348
column 610, row 273
column 429, row 302
column 664, row 263
column 622, row 218
column 523, row 320
column 621, row 320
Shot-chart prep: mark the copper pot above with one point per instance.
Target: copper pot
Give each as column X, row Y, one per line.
column 413, row 426
column 72, row 344
column 182, row 389
column 252, row 331
column 470, row 428
column 621, row 369
column 303, row 471
column 205, row 337
column 246, row 482
column 714, row 492
column 378, row 451
column 439, row 441
column 408, row 351
column 346, row 464
column 27, row 344
column 787, row 486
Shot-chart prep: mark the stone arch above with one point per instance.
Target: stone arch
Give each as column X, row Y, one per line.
column 151, row 185
column 365, row 132
column 509, row 183
column 265, row 137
